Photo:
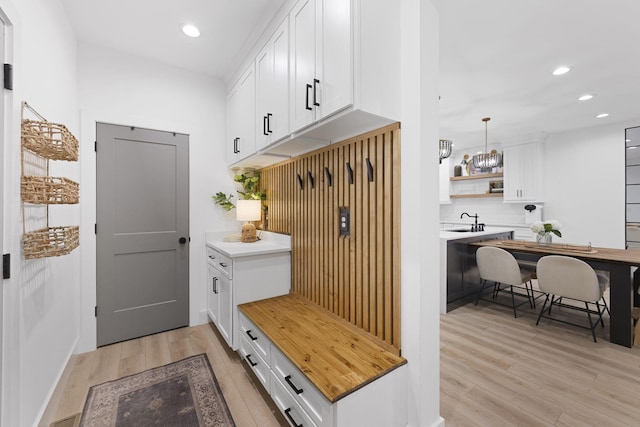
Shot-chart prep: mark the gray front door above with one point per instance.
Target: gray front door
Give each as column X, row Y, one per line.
column 142, row 232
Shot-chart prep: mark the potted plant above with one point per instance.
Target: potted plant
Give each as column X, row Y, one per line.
column 251, row 191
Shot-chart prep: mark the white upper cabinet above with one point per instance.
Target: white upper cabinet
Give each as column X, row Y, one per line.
column 321, row 60
column 272, row 88
column 522, row 173
column 241, row 107
column 327, row 71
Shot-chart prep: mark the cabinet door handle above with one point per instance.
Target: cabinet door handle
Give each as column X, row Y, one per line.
column 306, row 102
column 269, row 122
column 251, row 336
column 264, row 125
column 292, row 385
column 287, row 412
column 236, row 150
column 251, row 362
column 223, row 264
column 315, row 92
column 215, row 288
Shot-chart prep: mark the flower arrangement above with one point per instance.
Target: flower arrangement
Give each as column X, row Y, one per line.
column 550, row 226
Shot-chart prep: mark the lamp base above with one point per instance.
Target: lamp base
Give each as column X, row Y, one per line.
column 248, row 233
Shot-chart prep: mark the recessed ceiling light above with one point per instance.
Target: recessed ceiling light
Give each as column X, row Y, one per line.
column 627, row 140
column 602, row 115
column 632, row 148
column 561, row 70
column 191, row 30
column 585, row 97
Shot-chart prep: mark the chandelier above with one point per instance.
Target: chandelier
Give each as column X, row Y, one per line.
column 445, row 149
column 487, row 159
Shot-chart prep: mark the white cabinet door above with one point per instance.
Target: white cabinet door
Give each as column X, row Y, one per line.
column 334, row 56
column 225, row 307
column 241, row 108
column 522, row 175
column 272, row 88
column 321, row 60
column 213, row 277
column 302, row 81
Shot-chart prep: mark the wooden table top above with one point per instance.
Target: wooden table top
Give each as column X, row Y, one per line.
column 334, row 357
column 610, row 255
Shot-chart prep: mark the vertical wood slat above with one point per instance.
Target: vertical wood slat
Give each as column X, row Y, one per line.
column 355, row 277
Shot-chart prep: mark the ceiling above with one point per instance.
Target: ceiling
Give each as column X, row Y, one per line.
column 152, row 29
column 496, row 56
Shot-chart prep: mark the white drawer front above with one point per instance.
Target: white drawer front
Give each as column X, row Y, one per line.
column 255, row 337
column 300, row 388
column 257, row 364
column 220, row 261
column 292, row 411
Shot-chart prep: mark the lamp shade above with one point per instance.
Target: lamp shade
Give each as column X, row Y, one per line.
column 248, row 210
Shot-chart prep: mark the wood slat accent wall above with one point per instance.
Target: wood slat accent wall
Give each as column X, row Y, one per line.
column 356, row 277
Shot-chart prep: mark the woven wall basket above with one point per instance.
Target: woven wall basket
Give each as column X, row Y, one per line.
column 50, row 140
column 51, row 241
column 49, row 190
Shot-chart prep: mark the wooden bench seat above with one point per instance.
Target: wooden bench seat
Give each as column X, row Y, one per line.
column 335, row 357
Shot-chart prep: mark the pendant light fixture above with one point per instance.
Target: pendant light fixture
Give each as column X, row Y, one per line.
column 487, row 159
column 445, row 148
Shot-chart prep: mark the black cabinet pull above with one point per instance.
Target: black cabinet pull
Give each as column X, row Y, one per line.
column 251, row 336
column 288, row 414
column 236, row 150
column 269, row 122
column 264, row 125
column 251, row 362
column 292, row 385
column 315, row 92
column 223, row 264
column 215, row 289
column 306, row 102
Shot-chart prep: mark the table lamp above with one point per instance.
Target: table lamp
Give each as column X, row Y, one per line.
column 248, row 210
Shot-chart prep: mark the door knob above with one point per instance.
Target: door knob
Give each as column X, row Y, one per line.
column 182, row 240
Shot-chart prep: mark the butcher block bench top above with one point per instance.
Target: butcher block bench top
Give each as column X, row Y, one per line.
column 335, row 357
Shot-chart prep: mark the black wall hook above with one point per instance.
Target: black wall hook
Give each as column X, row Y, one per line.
column 311, row 179
column 328, row 175
column 300, row 182
column 369, row 170
column 349, row 172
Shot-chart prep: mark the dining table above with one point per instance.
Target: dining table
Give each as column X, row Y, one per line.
column 620, row 263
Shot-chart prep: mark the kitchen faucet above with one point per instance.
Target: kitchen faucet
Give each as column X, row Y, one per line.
column 475, row 226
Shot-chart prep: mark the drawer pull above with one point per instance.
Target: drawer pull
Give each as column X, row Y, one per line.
column 287, row 412
column 292, row 385
column 223, row 264
column 251, row 336
column 251, row 362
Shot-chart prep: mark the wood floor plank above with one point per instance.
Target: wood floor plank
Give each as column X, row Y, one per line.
column 241, row 391
column 558, row 375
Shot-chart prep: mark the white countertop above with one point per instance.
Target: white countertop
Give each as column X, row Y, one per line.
column 270, row 243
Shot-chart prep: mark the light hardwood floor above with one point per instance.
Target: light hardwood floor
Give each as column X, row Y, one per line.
column 243, row 393
column 496, row 370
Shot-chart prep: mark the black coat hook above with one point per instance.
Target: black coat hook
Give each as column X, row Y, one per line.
column 311, row 179
column 350, row 172
column 328, row 175
column 300, row 182
column 369, row 170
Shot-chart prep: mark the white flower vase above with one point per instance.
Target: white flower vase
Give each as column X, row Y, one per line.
column 543, row 238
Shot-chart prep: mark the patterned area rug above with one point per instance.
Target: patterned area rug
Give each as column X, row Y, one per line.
column 184, row 393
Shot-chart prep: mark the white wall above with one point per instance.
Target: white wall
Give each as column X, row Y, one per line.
column 420, row 211
column 41, row 299
column 584, row 186
column 121, row 89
